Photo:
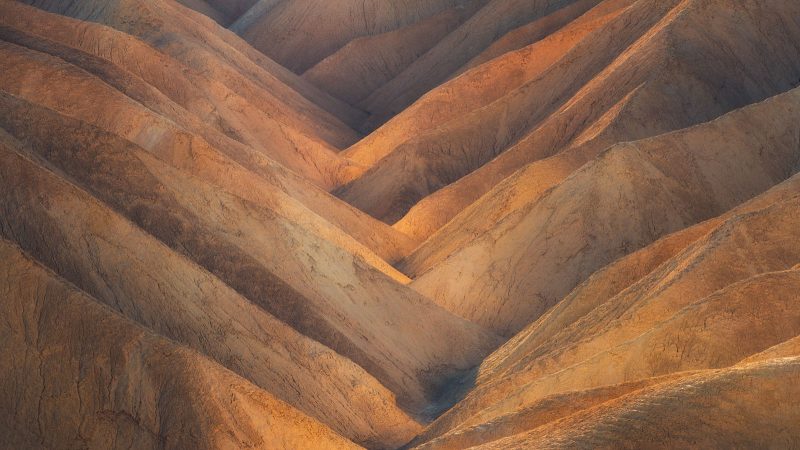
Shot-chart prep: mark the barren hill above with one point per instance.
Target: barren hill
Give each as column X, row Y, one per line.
column 54, row 330
column 440, row 224
column 640, row 69
column 629, row 196
column 365, row 64
column 703, row 298
column 300, row 33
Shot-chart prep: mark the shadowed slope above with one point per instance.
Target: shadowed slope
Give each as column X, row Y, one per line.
column 425, row 163
column 477, row 88
column 300, row 33
column 224, row 12
column 367, row 63
column 491, row 22
column 530, row 33
column 202, row 6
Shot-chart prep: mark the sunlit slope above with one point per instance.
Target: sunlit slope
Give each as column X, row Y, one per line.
column 704, row 298
column 159, row 109
column 647, row 69
column 439, row 224
column 628, row 197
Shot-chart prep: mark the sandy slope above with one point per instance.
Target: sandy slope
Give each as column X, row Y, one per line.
column 528, row 184
column 284, row 260
column 158, row 199
column 477, row 88
column 753, row 406
column 130, row 271
column 530, row 33
column 242, row 114
column 159, row 171
column 491, row 22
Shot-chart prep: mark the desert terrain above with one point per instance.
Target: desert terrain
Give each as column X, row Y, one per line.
column 386, row 224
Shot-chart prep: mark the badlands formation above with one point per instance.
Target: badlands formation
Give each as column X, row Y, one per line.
column 433, row 224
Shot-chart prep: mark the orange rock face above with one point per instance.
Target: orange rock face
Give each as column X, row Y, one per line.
column 383, row 224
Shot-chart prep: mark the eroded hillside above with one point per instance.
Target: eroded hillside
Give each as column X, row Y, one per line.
column 388, row 224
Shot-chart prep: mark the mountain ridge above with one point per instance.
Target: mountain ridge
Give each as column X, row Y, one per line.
column 375, row 224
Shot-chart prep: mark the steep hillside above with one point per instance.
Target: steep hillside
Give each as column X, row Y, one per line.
column 200, row 43
column 159, row 199
column 433, row 224
column 529, row 184
column 103, row 67
column 663, row 74
column 491, row 22
column 756, row 397
column 530, row 33
column 628, row 197
column 367, row 63
column 260, row 246
column 244, row 119
column 117, row 263
column 219, row 235
column 300, row 33
column 478, row 88
column 72, row 343
column 703, row 298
